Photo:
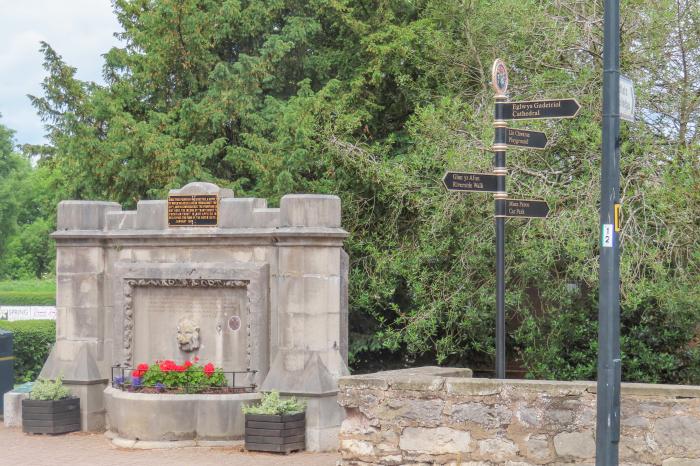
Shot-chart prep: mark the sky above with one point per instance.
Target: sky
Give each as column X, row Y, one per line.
column 79, row 30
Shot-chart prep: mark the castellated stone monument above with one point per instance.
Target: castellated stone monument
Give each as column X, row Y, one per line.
column 207, row 274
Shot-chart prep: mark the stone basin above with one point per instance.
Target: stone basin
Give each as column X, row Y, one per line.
column 156, row 420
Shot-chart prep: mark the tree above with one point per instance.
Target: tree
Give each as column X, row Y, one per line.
column 26, row 214
column 667, row 54
column 373, row 100
column 9, row 164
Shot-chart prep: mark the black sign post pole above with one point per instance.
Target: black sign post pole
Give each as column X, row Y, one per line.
column 499, row 169
column 609, row 362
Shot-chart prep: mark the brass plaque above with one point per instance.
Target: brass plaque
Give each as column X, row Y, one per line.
column 195, row 210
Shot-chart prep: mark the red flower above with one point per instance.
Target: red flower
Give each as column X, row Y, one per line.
column 196, row 359
column 209, row 369
column 188, row 364
column 140, row 370
column 167, row 365
column 179, row 368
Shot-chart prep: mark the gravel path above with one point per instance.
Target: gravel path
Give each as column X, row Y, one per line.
column 78, row 449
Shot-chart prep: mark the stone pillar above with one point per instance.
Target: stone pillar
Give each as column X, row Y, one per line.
column 309, row 338
column 79, row 353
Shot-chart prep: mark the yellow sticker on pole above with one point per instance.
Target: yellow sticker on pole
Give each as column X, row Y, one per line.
column 618, row 220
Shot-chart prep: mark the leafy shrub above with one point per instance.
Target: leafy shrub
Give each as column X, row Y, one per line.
column 27, row 298
column 271, row 403
column 32, row 341
column 29, row 253
column 45, row 389
column 658, row 342
column 28, row 292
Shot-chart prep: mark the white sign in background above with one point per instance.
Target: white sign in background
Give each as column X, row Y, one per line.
column 627, row 99
column 13, row 313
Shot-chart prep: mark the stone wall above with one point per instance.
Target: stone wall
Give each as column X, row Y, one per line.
column 441, row 416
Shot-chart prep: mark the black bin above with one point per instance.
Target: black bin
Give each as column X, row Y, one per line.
column 7, row 361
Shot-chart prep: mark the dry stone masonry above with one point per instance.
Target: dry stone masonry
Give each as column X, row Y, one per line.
column 436, row 415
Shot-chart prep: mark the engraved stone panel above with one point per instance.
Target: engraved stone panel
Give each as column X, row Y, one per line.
column 159, row 310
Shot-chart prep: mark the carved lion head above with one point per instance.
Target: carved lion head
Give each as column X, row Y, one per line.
column 187, row 335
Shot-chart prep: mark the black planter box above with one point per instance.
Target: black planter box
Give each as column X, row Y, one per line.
column 277, row 433
column 51, row 417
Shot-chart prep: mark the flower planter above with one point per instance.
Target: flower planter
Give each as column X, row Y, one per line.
column 276, row 433
column 51, row 416
column 162, row 419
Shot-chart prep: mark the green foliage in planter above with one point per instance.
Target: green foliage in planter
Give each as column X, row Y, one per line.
column 271, row 403
column 45, row 389
column 32, row 341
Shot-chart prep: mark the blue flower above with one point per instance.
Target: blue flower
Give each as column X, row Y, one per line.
column 160, row 387
column 136, row 382
column 118, row 381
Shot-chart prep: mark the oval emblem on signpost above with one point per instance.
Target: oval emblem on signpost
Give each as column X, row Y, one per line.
column 499, row 77
column 234, row 323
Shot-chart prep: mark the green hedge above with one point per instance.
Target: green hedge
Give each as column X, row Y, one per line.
column 27, row 298
column 28, row 292
column 32, row 342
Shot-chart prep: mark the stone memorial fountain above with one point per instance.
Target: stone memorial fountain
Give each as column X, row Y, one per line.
column 228, row 280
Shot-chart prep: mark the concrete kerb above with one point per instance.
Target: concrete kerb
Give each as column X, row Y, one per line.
column 430, row 378
column 643, row 389
column 131, row 444
column 493, row 386
column 434, row 379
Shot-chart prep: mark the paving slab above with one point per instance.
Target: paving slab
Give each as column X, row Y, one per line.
column 83, row 449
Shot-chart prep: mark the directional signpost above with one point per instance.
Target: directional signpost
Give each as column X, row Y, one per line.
column 495, row 182
column 474, row 182
column 526, row 208
column 537, row 109
column 525, row 139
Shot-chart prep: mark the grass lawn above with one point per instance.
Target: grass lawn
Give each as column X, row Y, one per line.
column 28, row 292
